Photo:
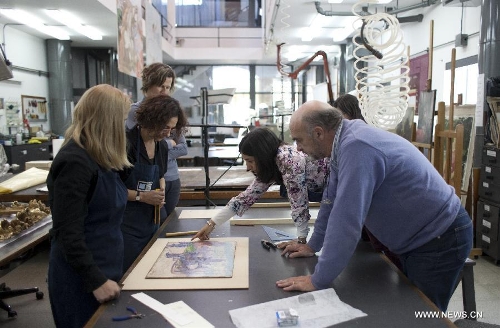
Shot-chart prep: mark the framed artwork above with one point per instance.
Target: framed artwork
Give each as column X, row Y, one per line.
column 425, row 126
column 185, row 259
column 34, row 108
column 464, row 114
column 419, row 67
column 404, row 128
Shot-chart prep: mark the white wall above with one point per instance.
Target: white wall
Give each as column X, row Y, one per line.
column 447, row 24
column 26, row 51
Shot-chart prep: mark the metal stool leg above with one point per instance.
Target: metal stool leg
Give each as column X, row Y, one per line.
column 468, row 292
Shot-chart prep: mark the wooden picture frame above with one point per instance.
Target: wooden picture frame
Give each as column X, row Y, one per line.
column 34, row 108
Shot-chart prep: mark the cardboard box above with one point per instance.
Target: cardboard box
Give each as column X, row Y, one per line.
column 44, row 165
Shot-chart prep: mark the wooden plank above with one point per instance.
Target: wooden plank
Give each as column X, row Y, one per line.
column 223, row 194
column 281, row 204
column 234, row 221
column 422, row 145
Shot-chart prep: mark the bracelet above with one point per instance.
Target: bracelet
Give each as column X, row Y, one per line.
column 210, row 224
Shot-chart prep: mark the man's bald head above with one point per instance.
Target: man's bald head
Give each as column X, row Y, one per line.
column 313, row 127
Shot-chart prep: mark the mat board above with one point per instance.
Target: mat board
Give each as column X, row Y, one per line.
column 207, row 259
column 136, row 280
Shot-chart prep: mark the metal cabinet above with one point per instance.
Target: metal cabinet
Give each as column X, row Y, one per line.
column 20, row 154
column 487, row 229
column 488, row 206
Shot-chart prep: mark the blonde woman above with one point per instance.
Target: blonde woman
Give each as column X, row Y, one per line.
column 87, row 199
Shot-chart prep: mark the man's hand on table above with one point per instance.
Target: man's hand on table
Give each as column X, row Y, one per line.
column 294, row 249
column 301, row 283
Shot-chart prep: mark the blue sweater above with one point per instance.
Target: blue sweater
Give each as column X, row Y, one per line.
column 380, row 180
column 180, row 149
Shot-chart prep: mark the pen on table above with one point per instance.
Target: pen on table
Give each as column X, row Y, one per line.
column 181, row 233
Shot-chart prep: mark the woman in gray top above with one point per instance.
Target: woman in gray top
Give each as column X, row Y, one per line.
column 159, row 78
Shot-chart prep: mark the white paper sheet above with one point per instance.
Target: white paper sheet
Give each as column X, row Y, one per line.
column 321, row 308
column 198, row 214
column 179, row 314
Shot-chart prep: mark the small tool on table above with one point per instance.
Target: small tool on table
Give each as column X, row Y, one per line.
column 181, row 233
column 267, row 244
column 131, row 316
column 157, row 219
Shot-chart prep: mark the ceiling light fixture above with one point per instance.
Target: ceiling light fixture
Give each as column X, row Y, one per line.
column 352, row 24
column 314, row 29
column 33, row 22
column 74, row 23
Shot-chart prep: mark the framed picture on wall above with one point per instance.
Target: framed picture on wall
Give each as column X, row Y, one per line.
column 34, row 108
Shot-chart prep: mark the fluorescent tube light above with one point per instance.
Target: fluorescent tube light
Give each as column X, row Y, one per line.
column 74, row 23
column 33, row 22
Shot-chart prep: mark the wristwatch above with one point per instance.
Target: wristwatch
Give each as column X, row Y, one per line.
column 302, row 240
column 138, row 196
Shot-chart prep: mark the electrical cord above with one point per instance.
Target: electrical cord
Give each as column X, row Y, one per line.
column 375, row 52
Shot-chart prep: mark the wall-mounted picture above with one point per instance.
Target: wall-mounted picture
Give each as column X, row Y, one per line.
column 34, row 108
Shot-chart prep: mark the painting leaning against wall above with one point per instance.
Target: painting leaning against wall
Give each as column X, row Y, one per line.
column 464, row 115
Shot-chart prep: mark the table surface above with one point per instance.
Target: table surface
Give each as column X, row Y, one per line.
column 192, row 178
column 234, row 177
column 369, row 283
column 223, row 152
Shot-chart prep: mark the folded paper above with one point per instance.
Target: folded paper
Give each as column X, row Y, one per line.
column 29, row 178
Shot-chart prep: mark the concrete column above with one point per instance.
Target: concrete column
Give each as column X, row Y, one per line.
column 60, row 84
column 341, row 87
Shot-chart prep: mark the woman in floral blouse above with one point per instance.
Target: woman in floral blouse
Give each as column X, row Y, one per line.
column 274, row 162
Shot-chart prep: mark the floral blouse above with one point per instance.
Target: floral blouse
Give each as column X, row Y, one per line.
column 300, row 174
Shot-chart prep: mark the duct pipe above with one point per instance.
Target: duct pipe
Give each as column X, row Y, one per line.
column 321, row 11
column 60, row 84
column 423, row 4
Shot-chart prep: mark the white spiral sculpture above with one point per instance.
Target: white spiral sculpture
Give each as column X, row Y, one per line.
column 383, row 83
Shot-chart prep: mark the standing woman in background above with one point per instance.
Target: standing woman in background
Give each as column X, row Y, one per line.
column 87, row 200
column 159, row 78
column 349, row 106
column 147, row 149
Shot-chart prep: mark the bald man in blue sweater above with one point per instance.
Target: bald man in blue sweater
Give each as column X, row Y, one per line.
column 380, row 180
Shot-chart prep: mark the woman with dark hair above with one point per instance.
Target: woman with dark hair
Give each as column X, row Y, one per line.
column 147, row 150
column 349, row 106
column 274, row 162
